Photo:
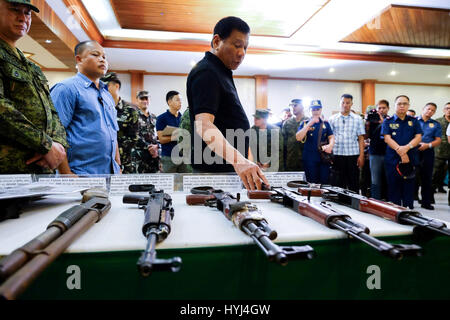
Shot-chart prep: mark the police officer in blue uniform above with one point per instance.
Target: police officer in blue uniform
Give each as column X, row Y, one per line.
column 316, row 170
column 431, row 139
column 402, row 133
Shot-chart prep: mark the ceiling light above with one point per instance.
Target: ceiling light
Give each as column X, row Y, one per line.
column 393, row 73
column 429, row 52
column 193, row 63
column 328, row 26
column 331, row 70
column 448, row 76
column 101, row 10
column 48, row 41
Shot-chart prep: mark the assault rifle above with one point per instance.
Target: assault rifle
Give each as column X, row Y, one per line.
column 25, row 264
column 323, row 213
column 158, row 217
column 248, row 218
column 424, row 226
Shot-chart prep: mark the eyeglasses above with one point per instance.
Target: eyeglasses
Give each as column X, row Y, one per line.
column 143, row 98
column 403, row 103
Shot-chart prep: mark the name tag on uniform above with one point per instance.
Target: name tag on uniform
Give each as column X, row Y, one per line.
column 410, row 123
column 394, row 126
column 431, row 125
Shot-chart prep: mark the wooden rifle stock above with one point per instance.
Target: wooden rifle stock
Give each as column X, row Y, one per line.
column 259, row 194
column 379, row 208
column 194, row 199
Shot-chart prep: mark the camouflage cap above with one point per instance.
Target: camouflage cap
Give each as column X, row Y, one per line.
column 262, row 113
column 142, row 93
column 111, row 76
column 26, row 2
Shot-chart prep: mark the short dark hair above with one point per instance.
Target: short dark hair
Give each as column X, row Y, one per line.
column 431, row 104
column 347, row 96
column 226, row 25
column 171, row 94
column 79, row 48
column 383, row 101
column 402, row 95
column 412, row 110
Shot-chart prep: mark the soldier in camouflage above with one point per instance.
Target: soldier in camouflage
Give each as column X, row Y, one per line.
column 442, row 156
column 261, row 142
column 292, row 148
column 32, row 138
column 128, row 120
column 184, row 139
column 148, row 148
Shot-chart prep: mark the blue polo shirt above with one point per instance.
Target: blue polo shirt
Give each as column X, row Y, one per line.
column 402, row 132
column 163, row 120
column 90, row 119
column 431, row 130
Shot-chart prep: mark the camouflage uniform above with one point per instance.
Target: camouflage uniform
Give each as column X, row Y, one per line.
column 261, row 146
column 28, row 119
column 147, row 135
column 442, row 155
column 293, row 148
column 128, row 135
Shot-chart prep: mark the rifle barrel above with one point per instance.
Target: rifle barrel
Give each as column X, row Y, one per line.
column 393, row 251
column 425, row 222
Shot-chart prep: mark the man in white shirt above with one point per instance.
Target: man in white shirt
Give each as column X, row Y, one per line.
column 348, row 129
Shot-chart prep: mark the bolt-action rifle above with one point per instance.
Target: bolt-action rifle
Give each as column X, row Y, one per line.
column 247, row 217
column 158, row 217
column 424, row 226
column 323, row 213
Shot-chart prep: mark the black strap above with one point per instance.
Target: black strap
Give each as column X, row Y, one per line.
column 320, row 135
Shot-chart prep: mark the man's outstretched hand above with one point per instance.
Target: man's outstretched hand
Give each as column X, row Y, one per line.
column 250, row 174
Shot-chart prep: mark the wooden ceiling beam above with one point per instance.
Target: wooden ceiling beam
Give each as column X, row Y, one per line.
column 77, row 8
column 46, row 25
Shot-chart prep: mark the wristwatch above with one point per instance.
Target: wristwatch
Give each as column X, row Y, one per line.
column 410, row 146
column 430, row 145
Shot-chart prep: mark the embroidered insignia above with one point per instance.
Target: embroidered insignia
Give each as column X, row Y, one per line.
column 394, row 126
column 410, row 123
column 431, row 125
